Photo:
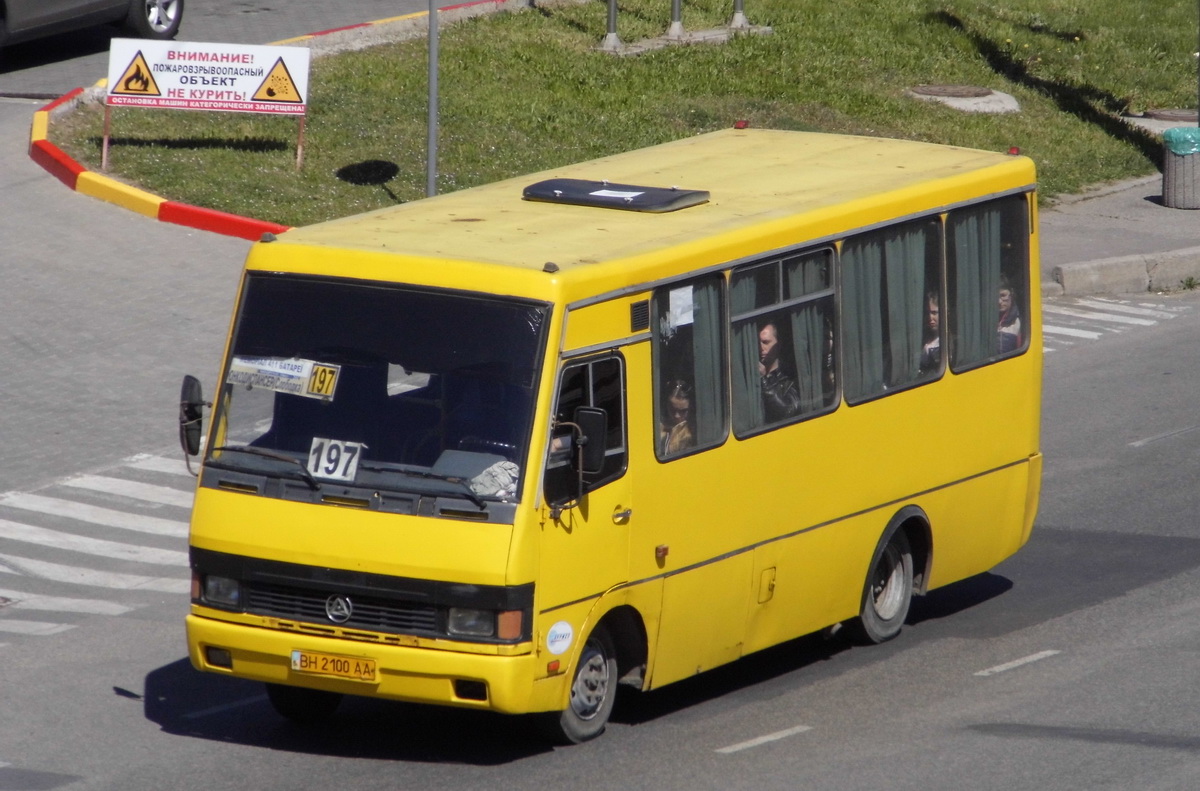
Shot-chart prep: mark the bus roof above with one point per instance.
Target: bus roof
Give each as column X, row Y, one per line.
column 758, row 179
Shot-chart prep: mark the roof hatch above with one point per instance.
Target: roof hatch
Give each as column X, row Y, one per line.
column 605, row 194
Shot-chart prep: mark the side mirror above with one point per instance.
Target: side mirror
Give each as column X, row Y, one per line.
column 593, row 431
column 191, row 415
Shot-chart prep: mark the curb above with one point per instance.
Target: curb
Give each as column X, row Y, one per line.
column 1126, row 274
column 75, row 176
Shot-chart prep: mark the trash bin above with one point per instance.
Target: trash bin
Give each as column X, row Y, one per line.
column 1181, row 168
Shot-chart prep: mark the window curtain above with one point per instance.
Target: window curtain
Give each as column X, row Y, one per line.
column 904, row 257
column 708, row 401
column 808, row 331
column 862, row 298
column 976, row 249
column 747, row 401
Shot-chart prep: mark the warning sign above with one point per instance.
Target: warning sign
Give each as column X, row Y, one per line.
column 278, row 86
column 137, row 79
column 186, row 75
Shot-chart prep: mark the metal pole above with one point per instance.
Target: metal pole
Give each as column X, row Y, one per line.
column 676, row 28
column 612, row 43
column 432, row 139
column 739, row 21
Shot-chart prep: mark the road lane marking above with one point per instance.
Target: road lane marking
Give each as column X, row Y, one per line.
column 1095, row 303
column 90, row 546
column 94, row 514
column 149, row 492
column 1088, row 314
column 39, row 628
column 1070, row 332
column 195, row 715
column 770, row 737
column 34, row 601
column 1143, row 442
column 991, row 671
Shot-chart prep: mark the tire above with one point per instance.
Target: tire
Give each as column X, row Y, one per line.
column 303, row 706
column 593, row 692
column 154, row 19
column 888, row 592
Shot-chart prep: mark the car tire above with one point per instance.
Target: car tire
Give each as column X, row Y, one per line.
column 154, row 19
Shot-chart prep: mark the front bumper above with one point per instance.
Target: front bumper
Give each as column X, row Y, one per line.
column 413, row 674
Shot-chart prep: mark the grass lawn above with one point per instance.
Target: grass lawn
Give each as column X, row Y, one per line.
column 525, row 91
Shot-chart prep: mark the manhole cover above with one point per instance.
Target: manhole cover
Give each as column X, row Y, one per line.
column 953, row 91
column 1171, row 115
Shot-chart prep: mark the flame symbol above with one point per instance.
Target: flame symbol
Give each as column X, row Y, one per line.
column 137, row 81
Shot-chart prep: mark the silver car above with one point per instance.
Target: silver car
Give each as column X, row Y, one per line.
column 22, row 20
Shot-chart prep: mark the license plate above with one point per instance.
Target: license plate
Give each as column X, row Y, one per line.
column 351, row 667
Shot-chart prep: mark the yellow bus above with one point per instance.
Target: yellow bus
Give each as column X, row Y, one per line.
column 617, row 423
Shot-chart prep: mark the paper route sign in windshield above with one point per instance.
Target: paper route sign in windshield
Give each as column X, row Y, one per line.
column 306, row 378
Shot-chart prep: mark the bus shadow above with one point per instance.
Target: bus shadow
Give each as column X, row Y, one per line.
column 185, row 702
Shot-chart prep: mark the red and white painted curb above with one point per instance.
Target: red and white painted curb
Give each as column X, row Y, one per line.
column 58, row 164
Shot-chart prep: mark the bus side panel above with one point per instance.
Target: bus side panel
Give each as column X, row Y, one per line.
column 976, row 524
column 703, row 619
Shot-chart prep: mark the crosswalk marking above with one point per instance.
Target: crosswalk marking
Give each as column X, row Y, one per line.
column 1070, row 332
column 1120, row 308
column 94, row 514
column 31, row 534
column 76, row 575
column 40, row 628
column 1094, row 316
column 159, row 464
column 32, row 601
column 74, row 572
column 152, row 493
column 1078, row 320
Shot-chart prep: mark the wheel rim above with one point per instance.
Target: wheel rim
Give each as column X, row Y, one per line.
column 887, row 589
column 160, row 14
column 591, row 682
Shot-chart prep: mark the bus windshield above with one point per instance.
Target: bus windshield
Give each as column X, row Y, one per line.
column 381, row 387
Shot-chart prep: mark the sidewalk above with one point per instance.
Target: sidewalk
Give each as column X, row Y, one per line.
column 1118, row 239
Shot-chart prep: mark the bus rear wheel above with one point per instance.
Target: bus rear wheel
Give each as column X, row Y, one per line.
column 303, row 706
column 593, row 692
column 888, row 592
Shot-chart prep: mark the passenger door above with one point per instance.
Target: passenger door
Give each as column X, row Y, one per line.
column 586, row 545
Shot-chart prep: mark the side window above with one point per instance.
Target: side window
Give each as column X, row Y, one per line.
column 783, row 354
column 891, row 284
column 689, row 366
column 599, row 382
column 987, row 252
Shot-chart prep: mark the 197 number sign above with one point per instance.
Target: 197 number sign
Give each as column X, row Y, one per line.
column 330, row 458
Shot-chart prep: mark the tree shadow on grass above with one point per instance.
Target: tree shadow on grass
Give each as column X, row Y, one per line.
column 1088, row 103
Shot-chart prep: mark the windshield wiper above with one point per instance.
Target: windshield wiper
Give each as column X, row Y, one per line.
column 270, row 454
column 463, row 484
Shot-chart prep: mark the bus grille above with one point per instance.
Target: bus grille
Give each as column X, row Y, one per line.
column 382, row 615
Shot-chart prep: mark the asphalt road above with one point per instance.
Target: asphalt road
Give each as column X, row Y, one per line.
column 1070, row 666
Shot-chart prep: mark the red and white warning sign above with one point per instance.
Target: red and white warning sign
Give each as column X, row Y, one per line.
column 187, row 75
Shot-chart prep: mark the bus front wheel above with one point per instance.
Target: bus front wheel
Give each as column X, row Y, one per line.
column 888, row 591
column 593, row 691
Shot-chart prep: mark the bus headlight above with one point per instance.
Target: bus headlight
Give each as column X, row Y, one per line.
column 473, row 623
column 222, row 591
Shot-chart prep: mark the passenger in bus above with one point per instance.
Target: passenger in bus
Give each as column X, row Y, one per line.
column 675, row 433
column 931, row 348
column 780, row 396
column 1008, row 328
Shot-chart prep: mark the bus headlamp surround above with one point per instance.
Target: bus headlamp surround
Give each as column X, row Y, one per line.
column 472, row 623
column 222, row 591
